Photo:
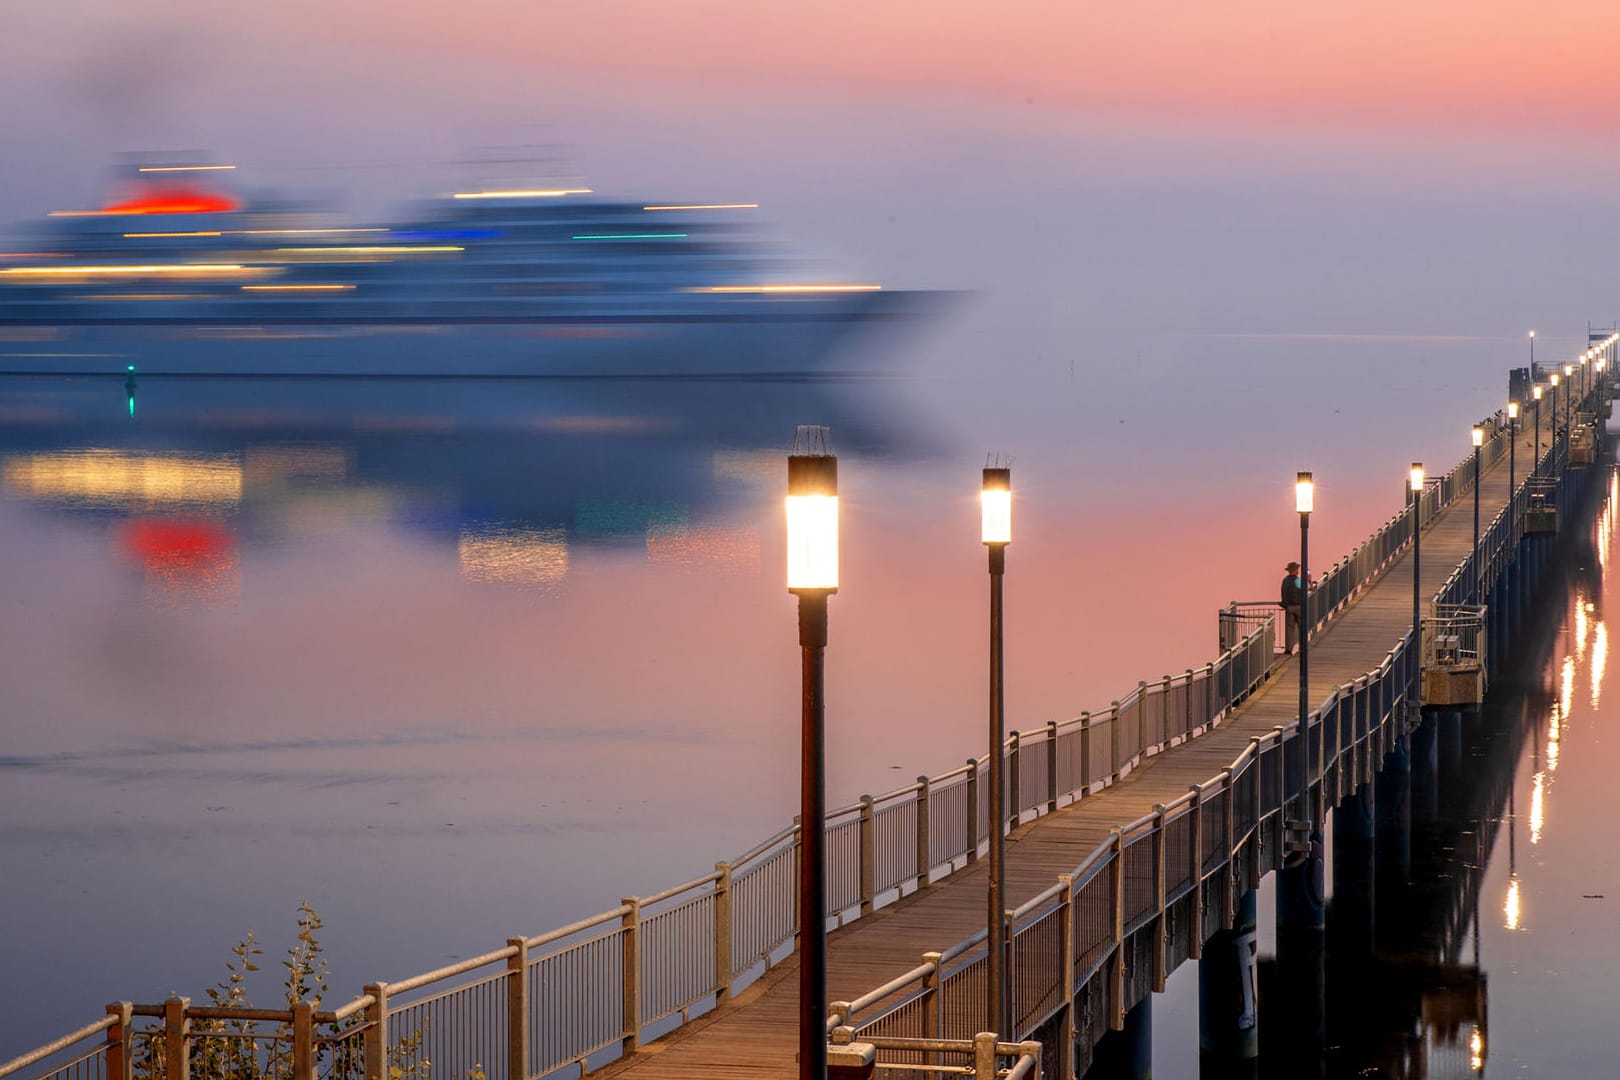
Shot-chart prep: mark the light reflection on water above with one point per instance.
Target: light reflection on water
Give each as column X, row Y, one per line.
column 458, row 660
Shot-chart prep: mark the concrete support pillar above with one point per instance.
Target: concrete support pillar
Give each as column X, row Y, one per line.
column 1126, row 1054
column 1228, row 999
column 1351, row 923
column 1425, row 749
column 1299, row 1032
column 1393, row 845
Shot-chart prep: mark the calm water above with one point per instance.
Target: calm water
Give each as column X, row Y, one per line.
column 456, row 661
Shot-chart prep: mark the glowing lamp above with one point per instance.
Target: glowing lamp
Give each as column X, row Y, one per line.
column 812, row 521
column 1417, row 477
column 1532, row 333
column 1513, row 410
column 1569, row 369
column 1535, row 392
column 995, row 503
column 1304, row 493
column 1479, row 435
column 1553, row 378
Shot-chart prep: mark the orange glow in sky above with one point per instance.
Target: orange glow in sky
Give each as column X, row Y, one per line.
column 1493, row 64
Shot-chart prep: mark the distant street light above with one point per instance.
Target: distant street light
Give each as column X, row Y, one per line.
column 1535, row 466
column 1479, row 440
column 1304, row 502
column 1513, row 438
column 1417, row 553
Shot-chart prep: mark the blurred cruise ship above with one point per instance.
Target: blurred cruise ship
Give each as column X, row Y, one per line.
column 175, row 275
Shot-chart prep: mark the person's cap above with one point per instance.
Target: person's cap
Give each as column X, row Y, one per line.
column 1292, row 566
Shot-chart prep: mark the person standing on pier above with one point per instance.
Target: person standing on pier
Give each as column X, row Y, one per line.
column 1292, row 603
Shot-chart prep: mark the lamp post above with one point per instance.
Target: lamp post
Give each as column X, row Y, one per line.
column 995, row 501
column 1513, row 438
column 1569, row 384
column 1417, row 554
column 812, row 576
column 1552, row 418
column 1532, row 354
column 1304, row 501
column 1535, row 465
column 1479, row 441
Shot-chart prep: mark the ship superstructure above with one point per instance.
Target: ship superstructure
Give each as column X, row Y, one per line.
column 179, row 277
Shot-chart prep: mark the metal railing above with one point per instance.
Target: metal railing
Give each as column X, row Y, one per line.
column 579, row 995
column 1072, row 940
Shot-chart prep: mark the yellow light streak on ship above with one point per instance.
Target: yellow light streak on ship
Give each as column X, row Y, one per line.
column 296, row 288
column 786, row 289
column 147, row 268
column 186, row 168
column 709, row 206
column 114, row 477
column 149, row 235
column 523, row 193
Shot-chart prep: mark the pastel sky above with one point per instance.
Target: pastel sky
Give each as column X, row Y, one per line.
column 1261, row 166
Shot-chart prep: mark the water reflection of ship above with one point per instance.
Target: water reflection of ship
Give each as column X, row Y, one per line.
column 512, row 474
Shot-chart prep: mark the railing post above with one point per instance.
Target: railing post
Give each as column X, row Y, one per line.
column 1195, row 853
column 984, row 1056
column 176, row 1039
column 1228, row 879
column 630, row 973
column 868, row 833
column 517, row 1009
column 1051, row 766
column 121, row 1042
column 924, row 847
column 1161, row 935
column 1164, row 715
column 972, row 811
column 303, row 1041
column 1141, row 721
column 1065, row 1032
column 933, row 1006
column 1187, row 724
column 1113, row 741
column 376, row 1035
column 722, row 932
column 1116, row 973
column 1013, row 792
column 1085, row 754
column 1255, row 808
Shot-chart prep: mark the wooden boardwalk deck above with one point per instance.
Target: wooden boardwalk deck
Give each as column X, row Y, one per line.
column 755, row 1033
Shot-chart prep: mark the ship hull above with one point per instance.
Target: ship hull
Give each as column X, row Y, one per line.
column 787, row 338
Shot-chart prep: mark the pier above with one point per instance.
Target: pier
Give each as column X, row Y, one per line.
column 1136, row 835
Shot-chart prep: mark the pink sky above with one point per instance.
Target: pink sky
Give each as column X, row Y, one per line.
column 1500, row 65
